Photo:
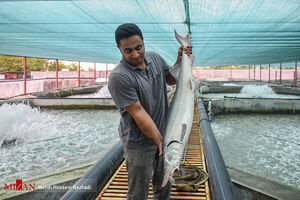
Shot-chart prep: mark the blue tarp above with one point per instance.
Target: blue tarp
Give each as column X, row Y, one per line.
column 223, row 32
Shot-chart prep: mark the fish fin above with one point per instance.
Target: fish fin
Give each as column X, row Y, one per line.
column 184, row 41
column 195, row 84
column 192, row 58
column 183, row 132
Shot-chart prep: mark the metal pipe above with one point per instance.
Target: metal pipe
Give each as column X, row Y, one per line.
column 295, row 76
column 249, row 72
column 254, row 72
column 56, row 74
column 280, row 80
column 260, row 72
column 269, row 73
column 79, row 74
column 220, row 182
column 25, row 66
column 95, row 71
column 185, row 150
column 106, row 73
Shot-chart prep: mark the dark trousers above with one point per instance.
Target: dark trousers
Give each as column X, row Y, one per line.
column 142, row 164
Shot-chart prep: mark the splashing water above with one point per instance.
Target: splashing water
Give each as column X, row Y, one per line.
column 231, row 84
column 253, row 91
column 257, row 91
column 52, row 140
column 102, row 93
column 23, row 123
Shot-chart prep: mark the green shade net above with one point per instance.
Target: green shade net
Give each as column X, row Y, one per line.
column 223, row 32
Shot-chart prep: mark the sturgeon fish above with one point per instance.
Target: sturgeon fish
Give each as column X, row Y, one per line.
column 181, row 112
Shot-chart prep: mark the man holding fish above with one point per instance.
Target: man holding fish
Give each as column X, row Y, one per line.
column 138, row 88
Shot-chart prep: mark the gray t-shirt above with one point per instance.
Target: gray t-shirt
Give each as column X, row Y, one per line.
column 129, row 84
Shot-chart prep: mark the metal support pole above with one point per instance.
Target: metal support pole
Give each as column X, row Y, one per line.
column 249, row 73
column 280, row 81
column 95, row 72
column 79, row 74
column 106, row 73
column 25, row 66
column 254, row 72
column 260, row 72
column 295, row 76
column 56, row 74
column 185, row 151
column 269, row 73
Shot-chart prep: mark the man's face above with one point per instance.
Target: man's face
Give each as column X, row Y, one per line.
column 133, row 50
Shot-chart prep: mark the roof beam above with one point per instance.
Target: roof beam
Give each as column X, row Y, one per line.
column 187, row 14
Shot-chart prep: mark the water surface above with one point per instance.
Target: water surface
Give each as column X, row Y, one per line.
column 51, row 140
column 263, row 144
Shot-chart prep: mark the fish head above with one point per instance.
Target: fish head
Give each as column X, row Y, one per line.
column 172, row 156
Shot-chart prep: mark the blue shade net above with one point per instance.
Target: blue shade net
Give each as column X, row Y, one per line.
column 223, row 32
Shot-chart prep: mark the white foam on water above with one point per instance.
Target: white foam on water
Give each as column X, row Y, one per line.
column 257, row 91
column 253, row 91
column 53, row 139
column 231, row 84
column 217, row 79
column 103, row 92
column 23, row 122
column 101, row 80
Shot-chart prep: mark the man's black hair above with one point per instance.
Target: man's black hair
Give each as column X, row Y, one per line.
column 127, row 30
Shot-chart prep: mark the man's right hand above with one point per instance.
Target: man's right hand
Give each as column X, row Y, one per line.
column 145, row 124
column 158, row 141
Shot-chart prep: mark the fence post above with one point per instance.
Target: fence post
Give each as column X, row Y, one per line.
column 254, row 72
column 260, row 72
column 249, row 73
column 295, row 75
column 95, row 72
column 78, row 73
column 269, row 73
column 24, row 75
column 56, row 82
column 106, row 72
column 280, row 77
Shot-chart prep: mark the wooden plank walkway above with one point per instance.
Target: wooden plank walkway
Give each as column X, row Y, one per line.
column 116, row 188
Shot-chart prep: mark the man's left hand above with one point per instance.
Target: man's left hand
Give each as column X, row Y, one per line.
column 187, row 50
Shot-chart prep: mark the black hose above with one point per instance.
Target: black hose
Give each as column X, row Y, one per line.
column 92, row 183
column 220, row 182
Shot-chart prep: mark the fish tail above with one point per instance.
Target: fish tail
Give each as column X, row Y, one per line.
column 183, row 41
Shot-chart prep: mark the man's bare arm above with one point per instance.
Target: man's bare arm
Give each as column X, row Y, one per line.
column 170, row 79
column 145, row 123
